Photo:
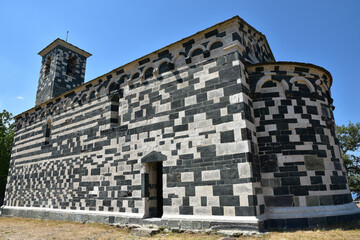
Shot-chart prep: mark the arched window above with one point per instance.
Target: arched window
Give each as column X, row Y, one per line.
column 114, row 114
column 47, row 66
column 47, row 132
column 70, row 68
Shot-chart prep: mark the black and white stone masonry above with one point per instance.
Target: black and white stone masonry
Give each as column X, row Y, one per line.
column 62, row 69
column 206, row 132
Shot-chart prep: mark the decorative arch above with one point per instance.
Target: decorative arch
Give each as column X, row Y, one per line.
column 131, row 81
column 301, row 80
column 67, row 104
column 123, row 79
column 280, row 87
column 179, row 60
column 163, row 67
column 112, row 86
column 100, row 91
column 55, row 109
column 322, row 85
column 148, row 73
column 92, row 95
column 76, row 99
column 215, row 44
column 31, row 120
column 196, row 51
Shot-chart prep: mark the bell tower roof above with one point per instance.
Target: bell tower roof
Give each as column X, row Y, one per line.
column 60, row 42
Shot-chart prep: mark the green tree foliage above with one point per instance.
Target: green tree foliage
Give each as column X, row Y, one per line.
column 349, row 138
column 6, row 141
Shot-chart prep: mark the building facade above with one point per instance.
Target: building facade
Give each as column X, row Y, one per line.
column 206, row 132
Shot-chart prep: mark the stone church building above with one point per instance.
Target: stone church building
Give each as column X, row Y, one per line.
column 206, row 132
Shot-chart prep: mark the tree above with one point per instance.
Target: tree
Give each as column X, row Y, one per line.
column 6, row 141
column 349, row 139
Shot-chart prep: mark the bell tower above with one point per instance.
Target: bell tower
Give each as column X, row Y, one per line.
column 62, row 69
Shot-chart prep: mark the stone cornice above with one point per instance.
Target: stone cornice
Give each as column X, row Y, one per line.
column 60, row 42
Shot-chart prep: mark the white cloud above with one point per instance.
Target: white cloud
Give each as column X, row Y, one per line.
column 19, row 97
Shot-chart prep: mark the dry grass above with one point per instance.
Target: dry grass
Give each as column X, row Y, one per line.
column 21, row 228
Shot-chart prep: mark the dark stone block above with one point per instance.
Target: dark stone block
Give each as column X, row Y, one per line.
column 312, row 110
column 229, row 173
column 207, row 151
column 279, row 201
column 297, row 223
column 95, row 171
column 246, row 134
column 338, row 199
column 252, row 200
column 316, row 180
column 180, row 128
column 230, row 74
column 185, row 201
column 326, row 200
column 211, row 33
column 227, row 136
column 184, row 210
column 176, row 104
column 314, row 163
column 312, row 201
column 281, row 191
column 190, row 191
column 245, row 211
column 338, row 179
column 268, row 163
column 229, row 200
column 299, row 190
column 220, row 190
column 224, row 119
column 203, row 201
column 217, row 211
column 290, row 181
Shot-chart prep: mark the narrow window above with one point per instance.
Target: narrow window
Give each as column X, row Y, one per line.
column 70, row 68
column 47, row 132
column 47, row 66
column 114, row 114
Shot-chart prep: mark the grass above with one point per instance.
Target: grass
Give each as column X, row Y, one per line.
column 31, row 229
column 21, row 228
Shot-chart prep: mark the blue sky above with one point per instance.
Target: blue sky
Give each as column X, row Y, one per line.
column 321, row 32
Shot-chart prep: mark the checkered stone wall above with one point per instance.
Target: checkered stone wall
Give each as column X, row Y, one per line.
column 299, row 153
column 56, row 74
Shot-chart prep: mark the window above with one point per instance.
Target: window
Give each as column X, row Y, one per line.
column 47, row 132
column 47, row 66
column 70, row 69
column 114, row 114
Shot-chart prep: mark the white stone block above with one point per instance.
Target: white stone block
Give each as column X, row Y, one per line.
column 210, row 175
column 244, row 170
column 203, row 191
column 187, row 177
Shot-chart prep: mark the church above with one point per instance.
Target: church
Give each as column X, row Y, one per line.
column 208, row 132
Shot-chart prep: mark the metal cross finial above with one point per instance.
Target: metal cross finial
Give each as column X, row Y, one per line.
column 67, row 34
